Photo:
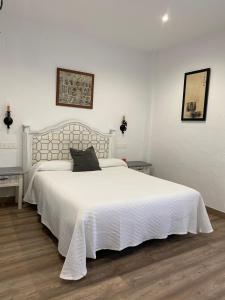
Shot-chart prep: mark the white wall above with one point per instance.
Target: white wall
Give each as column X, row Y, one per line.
column 29, row 56
column 191, row 153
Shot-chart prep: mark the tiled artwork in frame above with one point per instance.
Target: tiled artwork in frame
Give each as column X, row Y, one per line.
column 74, row 88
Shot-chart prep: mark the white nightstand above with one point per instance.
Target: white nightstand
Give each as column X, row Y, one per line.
column 140, row 166
column 13, row 177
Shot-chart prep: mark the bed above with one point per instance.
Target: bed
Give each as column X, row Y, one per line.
column 111, row 209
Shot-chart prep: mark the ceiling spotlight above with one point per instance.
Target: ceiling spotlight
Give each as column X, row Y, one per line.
column 165, row 18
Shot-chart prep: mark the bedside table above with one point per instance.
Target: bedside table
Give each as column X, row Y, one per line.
column 140, row 166
column 13, row 177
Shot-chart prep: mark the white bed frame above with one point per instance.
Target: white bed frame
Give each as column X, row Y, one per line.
column 54, row 142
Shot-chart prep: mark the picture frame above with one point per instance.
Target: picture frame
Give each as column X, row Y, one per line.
column 74, row 88
column 195, row 95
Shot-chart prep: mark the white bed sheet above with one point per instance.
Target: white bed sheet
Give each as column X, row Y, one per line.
column 111, row 209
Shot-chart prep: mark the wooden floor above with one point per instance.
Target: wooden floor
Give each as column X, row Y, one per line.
column 181, row 267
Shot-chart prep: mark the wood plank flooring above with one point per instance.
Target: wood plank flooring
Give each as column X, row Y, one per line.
column 181, row 267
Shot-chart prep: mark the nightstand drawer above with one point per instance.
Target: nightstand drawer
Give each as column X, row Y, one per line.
column 140, row 166
column 145, row 170
column 7, row 181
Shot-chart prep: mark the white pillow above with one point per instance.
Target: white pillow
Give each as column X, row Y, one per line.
column 55, row 165
column 67, row 165
column 111, row 162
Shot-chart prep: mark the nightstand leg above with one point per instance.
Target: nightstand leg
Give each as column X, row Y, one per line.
column 20, row 192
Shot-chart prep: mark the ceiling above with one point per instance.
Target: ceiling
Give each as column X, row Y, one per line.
column 130, row 23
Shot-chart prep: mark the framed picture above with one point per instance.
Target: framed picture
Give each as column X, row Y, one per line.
column 74, row 88
column 195, row 95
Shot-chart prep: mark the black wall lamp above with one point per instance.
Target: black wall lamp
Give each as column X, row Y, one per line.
column 123, row 126
column 1, row 4
column 8, row 120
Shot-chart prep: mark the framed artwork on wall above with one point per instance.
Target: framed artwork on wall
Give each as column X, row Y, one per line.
column 195, row 95
column 74, row 88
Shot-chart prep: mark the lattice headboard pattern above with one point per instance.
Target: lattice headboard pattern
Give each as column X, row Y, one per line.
column 54, row 143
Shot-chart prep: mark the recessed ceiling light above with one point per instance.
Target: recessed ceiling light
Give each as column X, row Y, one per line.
column 165, row 18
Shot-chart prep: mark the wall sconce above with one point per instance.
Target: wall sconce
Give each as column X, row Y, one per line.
column 1, row 4
column 8, row 120
column 123, row 126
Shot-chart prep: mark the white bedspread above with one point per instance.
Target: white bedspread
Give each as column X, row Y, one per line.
column 111, row 209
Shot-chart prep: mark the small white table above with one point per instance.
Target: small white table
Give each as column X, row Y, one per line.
column 13, row 177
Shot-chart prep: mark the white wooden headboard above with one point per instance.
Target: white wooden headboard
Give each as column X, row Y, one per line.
column 54, row 142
